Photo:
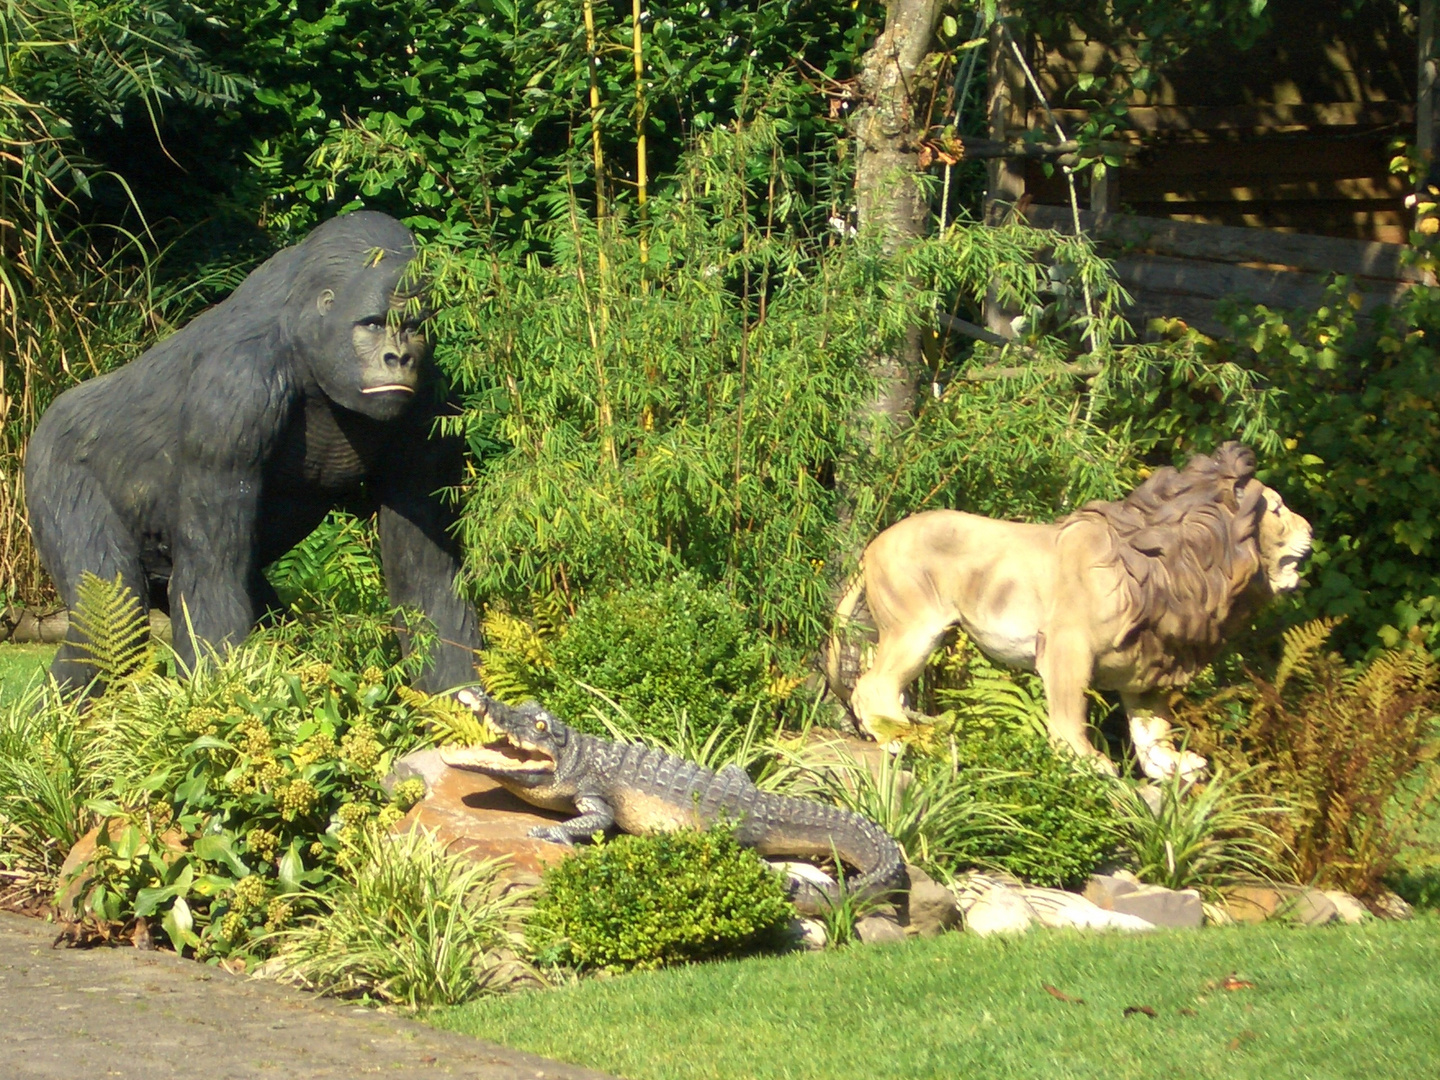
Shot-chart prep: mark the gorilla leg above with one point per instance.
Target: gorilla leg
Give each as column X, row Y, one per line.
column 75, row 531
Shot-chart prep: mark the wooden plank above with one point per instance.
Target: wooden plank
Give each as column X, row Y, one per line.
column 1224, row 243
column 1217, row 280
column 1316, row 156
column 1360, row 222
column 1151, row 119
column 1145, row 186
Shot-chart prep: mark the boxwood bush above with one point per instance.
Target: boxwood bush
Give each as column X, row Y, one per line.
column 648, row 901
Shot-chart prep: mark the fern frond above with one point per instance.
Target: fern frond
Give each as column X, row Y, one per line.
column 108, row 626
column 515, row 664
column 1303, row 646
column 452, row 722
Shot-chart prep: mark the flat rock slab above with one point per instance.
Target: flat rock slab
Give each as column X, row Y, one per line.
column 152, row 1016
column 473, row 815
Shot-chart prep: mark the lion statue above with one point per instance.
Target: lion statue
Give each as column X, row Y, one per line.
column 1136, row 596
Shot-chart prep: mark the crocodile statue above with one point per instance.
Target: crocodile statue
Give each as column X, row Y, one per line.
column 642, row 790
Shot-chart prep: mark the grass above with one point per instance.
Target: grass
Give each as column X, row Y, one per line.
column 1353, row 1001
column 20, row 665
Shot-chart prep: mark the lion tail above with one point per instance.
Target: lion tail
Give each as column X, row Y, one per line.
column 842, row 657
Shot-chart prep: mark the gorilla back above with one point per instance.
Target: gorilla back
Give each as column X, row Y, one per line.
column 188, row 470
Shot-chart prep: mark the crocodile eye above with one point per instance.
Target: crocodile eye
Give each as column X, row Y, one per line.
column 539, row 725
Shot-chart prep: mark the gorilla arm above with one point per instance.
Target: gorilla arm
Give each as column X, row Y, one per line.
column 421, row 556
column 234, row 415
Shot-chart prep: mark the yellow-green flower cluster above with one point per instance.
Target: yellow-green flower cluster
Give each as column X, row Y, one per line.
column 316, row 748
column 297, row 798
column 277, row 914
column 408, row 792
column 249, row 894
column 263, row 844
column 372, row 675
column 202, row 721
column 389, row 815
column 360, row 749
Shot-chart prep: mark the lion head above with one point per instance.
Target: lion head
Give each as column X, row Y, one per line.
column 1198, row 551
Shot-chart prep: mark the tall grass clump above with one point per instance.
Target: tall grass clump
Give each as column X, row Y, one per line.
column 1352, row 749
column 1202, row 836
column 409, row 924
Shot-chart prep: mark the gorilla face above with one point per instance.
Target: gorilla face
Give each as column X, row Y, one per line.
column 372, row 355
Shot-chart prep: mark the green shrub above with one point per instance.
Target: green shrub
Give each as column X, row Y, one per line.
column 410, row 924
column 649, row 901
column 657, row 652
column 1065, row 824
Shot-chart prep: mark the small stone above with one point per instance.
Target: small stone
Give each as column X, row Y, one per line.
column 808, row 934
column 879, row 928
column 1311, row 907
column 1152, row 798
column 1350, row 909
column 931, row 908
column 803, row 871
column 1389, row 905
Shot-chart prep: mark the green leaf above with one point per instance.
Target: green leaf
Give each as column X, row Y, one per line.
column 291, row 869
column 218, row 847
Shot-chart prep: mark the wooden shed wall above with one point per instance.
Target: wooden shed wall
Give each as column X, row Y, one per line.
column 1293, row 134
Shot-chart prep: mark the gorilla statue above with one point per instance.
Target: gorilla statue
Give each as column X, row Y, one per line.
column 190, row 469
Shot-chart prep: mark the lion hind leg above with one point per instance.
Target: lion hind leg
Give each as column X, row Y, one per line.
column 1154, row 740
column 878, row 700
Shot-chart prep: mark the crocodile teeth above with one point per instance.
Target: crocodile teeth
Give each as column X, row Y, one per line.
column 494, row 759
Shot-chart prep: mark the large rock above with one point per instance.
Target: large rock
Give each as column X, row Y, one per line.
column 931, row 908
column 1259, row 902
column 994, row 904
column 999, row 911
column 473, row 815
column 1155, row 904
column 1350, row 909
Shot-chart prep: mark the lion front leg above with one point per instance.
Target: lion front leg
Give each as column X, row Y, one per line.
column 1064, row 662
column 1151, row 733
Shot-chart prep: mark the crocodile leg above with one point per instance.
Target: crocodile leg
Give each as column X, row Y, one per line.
column 596, row 815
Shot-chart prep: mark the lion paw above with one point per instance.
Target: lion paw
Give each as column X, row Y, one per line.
column 1160, row 762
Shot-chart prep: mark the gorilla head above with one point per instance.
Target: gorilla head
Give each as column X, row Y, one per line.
column 358, row 317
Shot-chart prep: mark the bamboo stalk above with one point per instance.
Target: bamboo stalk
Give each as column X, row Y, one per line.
column 592, row 69
column 641, row 175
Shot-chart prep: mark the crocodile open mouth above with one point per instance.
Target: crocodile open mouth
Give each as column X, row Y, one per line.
column 497, row 758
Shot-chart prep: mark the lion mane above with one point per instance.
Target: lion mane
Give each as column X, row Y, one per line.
column 1135, row 595
column 1186, row 545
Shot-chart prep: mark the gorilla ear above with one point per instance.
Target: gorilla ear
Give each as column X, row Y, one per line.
column 325, row 301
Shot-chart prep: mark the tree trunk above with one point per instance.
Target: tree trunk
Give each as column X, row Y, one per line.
column 887, row 194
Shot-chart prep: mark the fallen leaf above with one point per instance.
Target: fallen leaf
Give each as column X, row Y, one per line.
column 1240, row 1040
column 1061, row 995
column 430, row 1060
column 1188, row 1012
column 1234, row 982
column 1131, row 1010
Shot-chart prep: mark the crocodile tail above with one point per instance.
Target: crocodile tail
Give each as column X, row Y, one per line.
column 787, row 826
column 885, row 880
column 841, row 659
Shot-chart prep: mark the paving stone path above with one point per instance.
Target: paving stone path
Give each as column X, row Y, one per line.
column 123, row 1013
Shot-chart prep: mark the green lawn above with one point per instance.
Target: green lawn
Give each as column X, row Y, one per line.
column 1358, row 1001
column 19, row 665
